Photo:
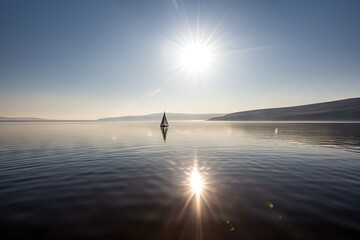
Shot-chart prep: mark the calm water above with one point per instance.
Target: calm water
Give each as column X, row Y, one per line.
column 209, row 180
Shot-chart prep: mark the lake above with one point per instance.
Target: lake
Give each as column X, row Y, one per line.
column 208, row 180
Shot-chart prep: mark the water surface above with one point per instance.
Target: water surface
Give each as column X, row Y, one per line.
column 208, row 180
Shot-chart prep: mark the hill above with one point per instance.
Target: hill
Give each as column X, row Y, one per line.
column 21, row 119
column 341, row 110
column 158, row 116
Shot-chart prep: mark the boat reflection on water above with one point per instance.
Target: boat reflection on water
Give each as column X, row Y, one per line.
column 164, row 132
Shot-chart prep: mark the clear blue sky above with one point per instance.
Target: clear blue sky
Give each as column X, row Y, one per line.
column 92, row 59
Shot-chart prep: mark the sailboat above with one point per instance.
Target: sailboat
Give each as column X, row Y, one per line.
column 164, row 122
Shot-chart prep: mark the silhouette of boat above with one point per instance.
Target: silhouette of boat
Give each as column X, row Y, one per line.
column 164, row 122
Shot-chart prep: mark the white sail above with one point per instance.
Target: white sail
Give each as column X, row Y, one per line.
column 164, row 122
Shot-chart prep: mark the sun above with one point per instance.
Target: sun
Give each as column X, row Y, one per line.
column 196, row 57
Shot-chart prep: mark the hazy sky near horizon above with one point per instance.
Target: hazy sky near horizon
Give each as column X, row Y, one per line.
column 93, row 59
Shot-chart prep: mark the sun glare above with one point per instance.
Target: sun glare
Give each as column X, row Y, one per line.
column 196, row 57
column 196, row 53
column 196, row 182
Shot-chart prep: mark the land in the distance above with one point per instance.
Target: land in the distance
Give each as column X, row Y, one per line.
column 148, row 117
column 170, row 116
column 341, row 110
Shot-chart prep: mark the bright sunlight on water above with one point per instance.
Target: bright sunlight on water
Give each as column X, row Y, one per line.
column 208, row 180
column 196, row 182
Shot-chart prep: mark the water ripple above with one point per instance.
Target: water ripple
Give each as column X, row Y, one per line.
column 117, row 181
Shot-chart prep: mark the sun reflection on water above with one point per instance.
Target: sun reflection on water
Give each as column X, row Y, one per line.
column 197, row 191
column 200, row 212
column 196, row 182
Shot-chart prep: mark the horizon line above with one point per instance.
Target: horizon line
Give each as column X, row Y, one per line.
column 29, row 119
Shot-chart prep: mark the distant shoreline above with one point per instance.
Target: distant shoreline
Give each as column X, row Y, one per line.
column 340, row 110
column 347, row 110
column 208, row 121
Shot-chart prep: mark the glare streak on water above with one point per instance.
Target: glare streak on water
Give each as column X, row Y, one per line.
column 122, row 181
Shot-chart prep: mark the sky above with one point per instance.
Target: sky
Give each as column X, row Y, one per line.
column 94, row 59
